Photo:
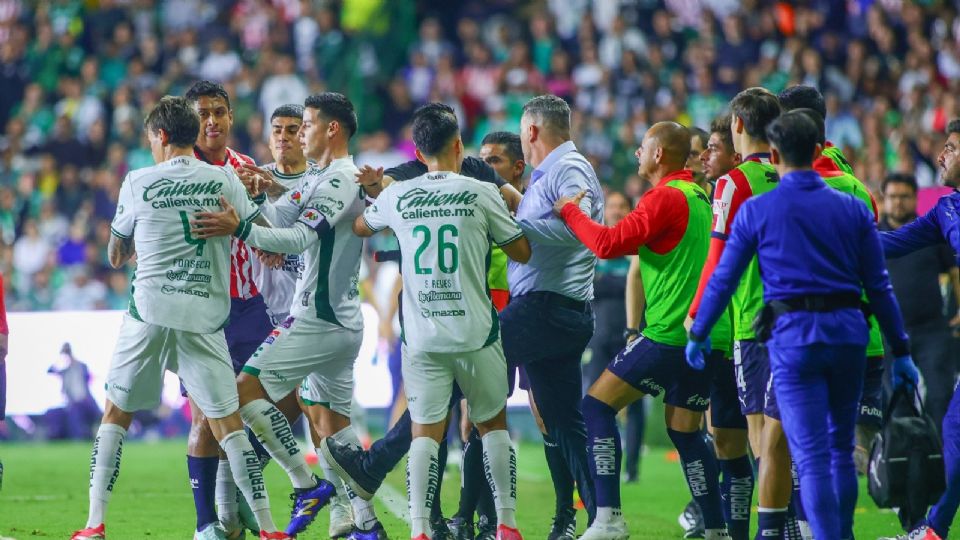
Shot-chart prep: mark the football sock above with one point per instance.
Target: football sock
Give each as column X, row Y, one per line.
column 228, row 507
column 422, row 472
column 559, row 473
column 364, row 516
column 737, row 492
column 500, row 465
column 272, row 429
column 104, row 470
column 262, row 453
column 248, row 477
column 700, row 470
column 436, row 510
column 203, row 480
column 770, row 522
column 473, row 482
column 603, row 450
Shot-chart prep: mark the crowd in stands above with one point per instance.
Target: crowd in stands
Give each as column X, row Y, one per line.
column 76, row 76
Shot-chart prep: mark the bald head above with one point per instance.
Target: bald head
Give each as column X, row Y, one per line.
column 666, row 146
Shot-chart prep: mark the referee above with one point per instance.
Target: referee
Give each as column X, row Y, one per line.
column 817, row 249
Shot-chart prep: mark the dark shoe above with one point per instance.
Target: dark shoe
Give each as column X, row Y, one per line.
column 460, row 528
column 691, row 519
column 564, row 525
column 347, row 462
column 376, row 533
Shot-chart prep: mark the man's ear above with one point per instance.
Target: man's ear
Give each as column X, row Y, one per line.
column 658, row 155
column 518, row 167
column 534, row 132
column 163, row 136
column 739, row 124
column 774, row 156
column 817, row 151
column 420, row 157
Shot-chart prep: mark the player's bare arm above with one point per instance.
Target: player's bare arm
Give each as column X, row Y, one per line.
column 518, row 250
column 258, row 180
column 361, row 229
column 224, row 223
column 511, row 196
column 120, row 250
column 373, row 180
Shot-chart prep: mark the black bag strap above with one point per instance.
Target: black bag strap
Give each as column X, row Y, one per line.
column 909, row 392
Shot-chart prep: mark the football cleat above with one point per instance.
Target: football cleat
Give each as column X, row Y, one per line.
column 460, row 529
column 212, row 531
column 376, row 533
column 307, row 503
column 486, row 530
column 716, row 534
column 90, row 533
column 278, row 535
column 564, row 525
column 347, row 462
column 341, row 518
column 508, row 533
column 922, row 532
column 440, row 529
column 615, row 529
column 421, row 537
column 691, row 520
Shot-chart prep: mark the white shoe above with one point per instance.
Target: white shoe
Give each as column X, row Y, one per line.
column 210, row 532
column 615, row 529
column 341, row 517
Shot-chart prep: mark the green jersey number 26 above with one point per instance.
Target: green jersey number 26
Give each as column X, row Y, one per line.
column 448, row 256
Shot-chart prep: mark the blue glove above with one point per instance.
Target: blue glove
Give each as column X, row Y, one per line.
column 695, row 353
column 905, row 371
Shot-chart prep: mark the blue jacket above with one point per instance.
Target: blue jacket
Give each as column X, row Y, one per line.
column 940, row 224
column 810, row 239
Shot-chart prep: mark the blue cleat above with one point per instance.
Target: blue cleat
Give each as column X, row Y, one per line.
column 306, row 504
column 376, row 533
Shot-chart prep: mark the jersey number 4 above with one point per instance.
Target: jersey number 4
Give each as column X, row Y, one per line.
column 199, row 242
column 444, row 247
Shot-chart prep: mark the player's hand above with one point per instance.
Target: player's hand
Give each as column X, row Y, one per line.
column 271, row 260
column 212, row 224
column 905, row 372
column 371, row 179
column 562, row 201
column 696, row 353
column 688, row 323
column 386, row 330
column 255, row 179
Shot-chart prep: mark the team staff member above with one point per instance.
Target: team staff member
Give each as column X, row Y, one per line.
column 819, row 332
column 669, row 229
column 249, row 321
column 940, row 224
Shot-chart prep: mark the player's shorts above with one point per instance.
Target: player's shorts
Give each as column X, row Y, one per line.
column 145, row 351
column 724, row 401
column 249, row 325
column 517, row 375
column 654, row 368
column 3, row 390
column 334, row 392
column 302, row 346
column 428, row 379
column 871, row 401
column 752, row 365
column 771, row 408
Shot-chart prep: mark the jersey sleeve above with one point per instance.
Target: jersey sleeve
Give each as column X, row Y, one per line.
column 479, row 169
column 876, row 283
column 124, row 220
column 287, row 208
column 376, row 215
column 503, row 229
column 237, row 196
column 328, row 202
column 919, row 233
column 406, row 171
column 732, row 191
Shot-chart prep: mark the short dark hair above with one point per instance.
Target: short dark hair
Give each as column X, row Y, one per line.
column 551, row 112
column 817, row 119
column 291, row 110
column 803, row 97
column 700, row 134
column 509, row 141
column 757, row 107
column 176, row 117
column 335, row 106
column 794, row 135
column 434, row 126
column 721, row 126
column 899, row 178
column 953, row 126
column 207, row 89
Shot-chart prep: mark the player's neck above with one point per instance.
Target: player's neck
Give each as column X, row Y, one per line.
column 331, row 153
column 291, row 169
column 449, row 163
column 214, row 155
column 171, row 152
column 752, row 146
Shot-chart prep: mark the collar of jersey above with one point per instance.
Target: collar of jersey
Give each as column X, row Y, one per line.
column 759, row 157
column 682, row 174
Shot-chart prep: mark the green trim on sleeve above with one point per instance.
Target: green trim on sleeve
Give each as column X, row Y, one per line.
column 118, row 234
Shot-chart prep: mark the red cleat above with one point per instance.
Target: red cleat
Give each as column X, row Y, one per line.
column 422, row 537
column 90, row 533
column 508, row 533
column 277, row 535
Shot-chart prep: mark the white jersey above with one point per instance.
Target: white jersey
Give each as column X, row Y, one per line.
column 445, row 223
column 278, row 284
column 320, row 211
column 181, row 282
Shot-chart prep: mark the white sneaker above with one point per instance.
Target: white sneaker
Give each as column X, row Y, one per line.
column 210, row 532
column 615, row 529
column 341, row 517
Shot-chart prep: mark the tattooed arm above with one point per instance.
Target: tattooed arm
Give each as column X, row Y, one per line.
column 120, row 250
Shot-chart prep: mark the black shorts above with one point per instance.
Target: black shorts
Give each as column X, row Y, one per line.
column 724, row 401
column 654, row 368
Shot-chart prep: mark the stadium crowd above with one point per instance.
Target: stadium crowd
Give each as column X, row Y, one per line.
column 76, row 78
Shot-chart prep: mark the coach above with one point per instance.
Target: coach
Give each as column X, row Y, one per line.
column 817, row 249
column 549, row 321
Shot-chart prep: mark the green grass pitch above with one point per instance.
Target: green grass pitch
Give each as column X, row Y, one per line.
column 44, row 495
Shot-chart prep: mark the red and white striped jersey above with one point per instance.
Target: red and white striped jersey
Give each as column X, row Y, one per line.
column 242, row 260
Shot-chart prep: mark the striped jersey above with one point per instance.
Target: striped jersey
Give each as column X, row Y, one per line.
column 320, row 212
column 243, row 263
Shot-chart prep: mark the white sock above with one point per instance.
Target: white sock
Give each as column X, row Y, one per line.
column 805, row 531
column 608, row 514
column 248, row 476
column 228, row 507
column 364, row 515
column 272, row 429
column 500, row 465
column 104, row 470
column 423, row 472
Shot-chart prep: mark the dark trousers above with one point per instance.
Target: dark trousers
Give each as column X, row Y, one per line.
column 933, row 350
column 547, row 335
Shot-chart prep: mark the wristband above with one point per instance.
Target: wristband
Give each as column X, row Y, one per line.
column 630, row 332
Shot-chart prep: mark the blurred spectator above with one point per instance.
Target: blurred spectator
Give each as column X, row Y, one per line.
column 80, row 293
column 80, row 412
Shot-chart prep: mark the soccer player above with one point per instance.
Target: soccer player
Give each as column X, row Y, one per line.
column 751, row 111
column 249, row 322
column 819, row 332
column 444, row 223
column 327, row 310
column 939, row 225
column 178, row 308
column 669, row 229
